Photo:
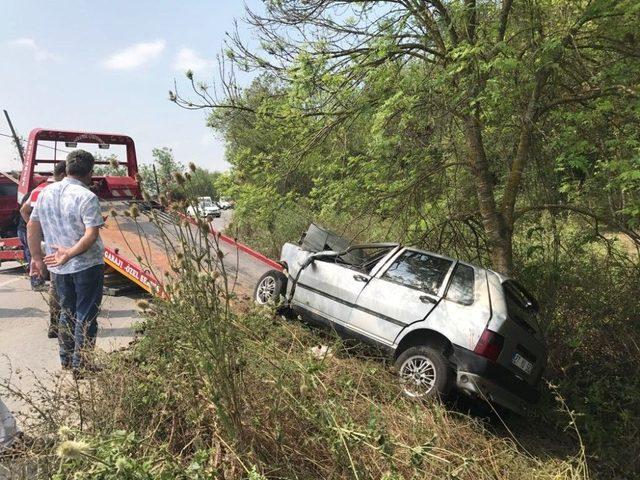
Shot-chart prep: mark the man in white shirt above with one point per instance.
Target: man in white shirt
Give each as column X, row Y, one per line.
column 68, row 214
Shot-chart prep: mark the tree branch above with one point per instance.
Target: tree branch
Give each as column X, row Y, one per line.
column 504, row 17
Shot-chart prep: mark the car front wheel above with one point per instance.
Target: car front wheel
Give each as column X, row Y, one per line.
column 424, row 372
column 270, row 288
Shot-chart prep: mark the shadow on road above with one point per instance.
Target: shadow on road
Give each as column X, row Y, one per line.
column 116, row 332
column 127, row 313
column 22, row 312
column 17, row 270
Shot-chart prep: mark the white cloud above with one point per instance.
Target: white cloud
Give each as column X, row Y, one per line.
column 134, row 55
column 39, row 53
column 188, row 59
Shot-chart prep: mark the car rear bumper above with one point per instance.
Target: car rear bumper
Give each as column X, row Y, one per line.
column 483, row 378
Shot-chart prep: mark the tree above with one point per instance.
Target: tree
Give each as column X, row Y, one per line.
column 449, row 91
column 113, row 168
column 166, row 167
column 202, row 183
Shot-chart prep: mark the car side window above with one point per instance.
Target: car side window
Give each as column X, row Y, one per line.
column 419, row 270
column 461, row 287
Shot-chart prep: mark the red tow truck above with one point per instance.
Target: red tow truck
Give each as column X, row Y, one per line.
column 135, row 250
column 126, row 241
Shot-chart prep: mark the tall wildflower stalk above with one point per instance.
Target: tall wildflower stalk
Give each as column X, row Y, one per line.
column 194, row 305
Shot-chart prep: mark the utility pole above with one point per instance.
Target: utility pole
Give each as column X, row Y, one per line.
column 155, row 176
column 15, row 136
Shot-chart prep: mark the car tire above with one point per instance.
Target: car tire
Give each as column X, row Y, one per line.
column 424, row 372
column 271, row 288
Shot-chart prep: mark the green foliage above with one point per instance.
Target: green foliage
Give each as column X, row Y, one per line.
column 202, row 183
column 387, row 130
column 112, row 169
column 163, row 179
column 586, row 282
column 116, row 457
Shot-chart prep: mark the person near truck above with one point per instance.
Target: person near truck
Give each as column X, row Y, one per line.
column 59, row 172
column 68, row 215
column 38, row 284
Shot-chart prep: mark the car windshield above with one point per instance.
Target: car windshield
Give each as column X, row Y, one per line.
column 206, row 203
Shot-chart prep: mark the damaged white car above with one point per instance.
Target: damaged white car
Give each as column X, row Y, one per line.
column 446, row 323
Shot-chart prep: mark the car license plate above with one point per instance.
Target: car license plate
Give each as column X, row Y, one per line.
column 522, row 363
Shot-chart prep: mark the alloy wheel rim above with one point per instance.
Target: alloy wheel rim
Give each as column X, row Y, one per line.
column 266, row 290
column 418, row 376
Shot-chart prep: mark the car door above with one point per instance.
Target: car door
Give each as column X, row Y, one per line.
column 465, row 308
column 402, row 293
column 329, row 289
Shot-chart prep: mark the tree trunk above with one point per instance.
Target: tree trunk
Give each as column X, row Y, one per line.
column 523, row 150
column 498, row 234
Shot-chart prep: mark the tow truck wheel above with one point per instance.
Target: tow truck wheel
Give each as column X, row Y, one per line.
column 271, row 288
column 424, row 372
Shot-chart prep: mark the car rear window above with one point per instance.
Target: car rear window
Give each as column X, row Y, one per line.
column 522, row 307
column 520, row 296
column 461, row 288
column 419, row 270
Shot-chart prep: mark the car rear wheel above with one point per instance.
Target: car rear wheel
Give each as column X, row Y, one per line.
column 270, row 288
column 424, row 372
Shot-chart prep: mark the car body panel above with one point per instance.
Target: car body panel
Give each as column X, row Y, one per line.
column 328, row 288
column 204, row 208
column 385, row 308
column 526, row 342
column 366, row 303
column 460, row 324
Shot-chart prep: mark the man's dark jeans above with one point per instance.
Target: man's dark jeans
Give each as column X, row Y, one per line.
column 80, row 296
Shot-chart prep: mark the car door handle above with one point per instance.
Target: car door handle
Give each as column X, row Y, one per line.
column 426, row 299
column 360, row 278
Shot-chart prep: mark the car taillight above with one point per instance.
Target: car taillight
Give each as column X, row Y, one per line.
column 489, row 345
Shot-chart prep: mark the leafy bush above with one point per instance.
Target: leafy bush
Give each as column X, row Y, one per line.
column 587, row 284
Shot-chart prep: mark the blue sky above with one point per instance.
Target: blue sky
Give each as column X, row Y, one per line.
column 108, row 66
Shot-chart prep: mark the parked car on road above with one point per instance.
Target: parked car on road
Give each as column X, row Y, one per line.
column 225, row 204
column 205, row 208
column 446, row 323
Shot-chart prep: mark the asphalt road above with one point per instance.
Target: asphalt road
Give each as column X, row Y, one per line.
column 28, row 358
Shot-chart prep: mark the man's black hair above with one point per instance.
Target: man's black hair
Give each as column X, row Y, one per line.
column 80, row 163
column 60, row 169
